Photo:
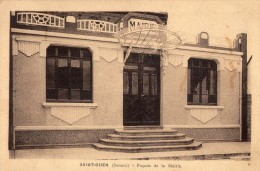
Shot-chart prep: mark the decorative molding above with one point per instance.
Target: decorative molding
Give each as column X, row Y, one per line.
column 109, row 54
column 231, row 65
column 203, row 113
column 28, row 48
column 70, row 115
column 64, row 35
column 175, row 59
column 14, row 46
column 210, row 50
column 70, row 112
column 41, row 19
column 45, row 44
column 96, row 26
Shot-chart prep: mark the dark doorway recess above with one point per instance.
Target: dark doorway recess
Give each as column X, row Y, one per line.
column 142, row 90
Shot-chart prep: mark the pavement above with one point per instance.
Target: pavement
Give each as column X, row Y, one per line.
column 208, row 151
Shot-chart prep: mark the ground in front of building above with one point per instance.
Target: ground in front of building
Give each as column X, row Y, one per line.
column 209, row 151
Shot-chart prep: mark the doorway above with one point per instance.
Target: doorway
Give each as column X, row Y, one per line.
column 141, row 88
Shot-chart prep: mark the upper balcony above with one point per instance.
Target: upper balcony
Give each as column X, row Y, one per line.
column 107, row 24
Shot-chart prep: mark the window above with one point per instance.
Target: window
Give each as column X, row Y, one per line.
column 202, row 82
column 69, row 74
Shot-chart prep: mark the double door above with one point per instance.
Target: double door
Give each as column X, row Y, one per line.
column 142, row 90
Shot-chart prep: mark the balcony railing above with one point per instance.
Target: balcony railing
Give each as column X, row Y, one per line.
column 97, row 26
column 33, row 18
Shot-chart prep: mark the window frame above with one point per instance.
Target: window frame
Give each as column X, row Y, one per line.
column 69, row 58
column 190, row 79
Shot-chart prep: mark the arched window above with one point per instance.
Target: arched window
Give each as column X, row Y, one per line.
column 69, row 74
column 202, row 82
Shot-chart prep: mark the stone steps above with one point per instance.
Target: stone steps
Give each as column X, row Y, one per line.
column 145, row 132
column 146, row 140
column 110, row 142
column 193, row 146
column 146, row 137
column 142, row 127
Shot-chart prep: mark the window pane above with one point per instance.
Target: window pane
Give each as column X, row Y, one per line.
column 213, row 88
column 74, row 52
column 70, row 77
column 205, row 63
column 195, row 86
column 204, row 79
column 189, row 96
column 196, row 99
column 63, row 51
column 195, row 62
column 63, row 94
column 75, row 94
column 76, row 75
column 213, row 65
column 50, row 69
column 126, row 83
column 145, row 83
column 62, row 75
column 86, row 75
column 134, row 83
column 154, row 84
column 51, row 51
column 87, row 95
column 204, row 99
column 189, row 81
column 51, row 94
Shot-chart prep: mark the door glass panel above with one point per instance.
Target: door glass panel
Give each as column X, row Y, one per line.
column 145, row 83
column 126, row 83
column 154, row 84
column 149, row 68
column 131, row 67
column 134, row 83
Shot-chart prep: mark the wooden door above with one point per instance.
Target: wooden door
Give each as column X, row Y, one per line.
column 142, row 90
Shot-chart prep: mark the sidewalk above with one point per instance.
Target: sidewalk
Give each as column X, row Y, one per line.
column 208, row 151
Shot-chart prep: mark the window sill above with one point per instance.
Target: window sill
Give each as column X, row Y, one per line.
column 89, row 105
column 203, row 107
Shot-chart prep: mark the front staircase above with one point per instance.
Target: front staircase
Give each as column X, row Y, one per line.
column 146, row 140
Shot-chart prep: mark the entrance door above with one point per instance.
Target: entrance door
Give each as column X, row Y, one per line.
column 142, row 90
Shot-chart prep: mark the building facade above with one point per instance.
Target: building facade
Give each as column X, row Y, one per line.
column 73, row 82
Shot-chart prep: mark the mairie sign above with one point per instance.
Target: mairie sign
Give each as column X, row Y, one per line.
column 136, row 24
